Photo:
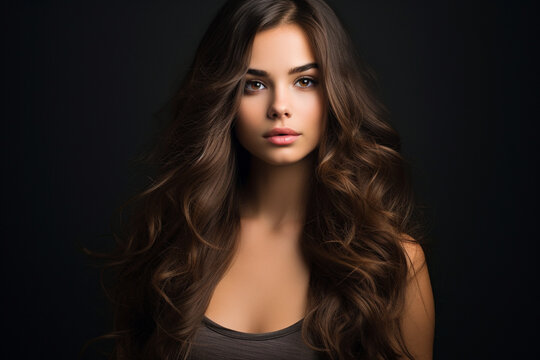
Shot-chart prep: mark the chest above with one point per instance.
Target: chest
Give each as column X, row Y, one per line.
column 265, row 289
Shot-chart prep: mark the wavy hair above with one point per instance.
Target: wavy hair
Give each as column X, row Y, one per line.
column 180, row 237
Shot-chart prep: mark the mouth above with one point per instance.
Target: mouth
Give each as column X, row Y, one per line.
column 281, row 132
column 281, row 136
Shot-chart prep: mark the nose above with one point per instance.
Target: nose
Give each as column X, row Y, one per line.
column 280, row 104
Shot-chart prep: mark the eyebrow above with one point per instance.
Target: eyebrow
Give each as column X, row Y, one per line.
column 294, row 70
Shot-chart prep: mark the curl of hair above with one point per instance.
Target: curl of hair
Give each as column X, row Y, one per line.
column 182, row 229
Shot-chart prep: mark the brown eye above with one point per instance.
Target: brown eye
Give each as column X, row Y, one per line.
column 254, row 85
column 306, row 82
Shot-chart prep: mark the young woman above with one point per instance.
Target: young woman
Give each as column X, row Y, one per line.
column 278, row 225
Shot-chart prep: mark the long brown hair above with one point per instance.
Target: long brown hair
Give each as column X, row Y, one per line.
column 182, row 227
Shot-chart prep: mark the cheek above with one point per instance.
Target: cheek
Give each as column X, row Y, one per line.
column 249, row 114
column 248, row 121
column 314, row 113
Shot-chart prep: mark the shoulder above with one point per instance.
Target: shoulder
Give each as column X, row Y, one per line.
column 414, row 253
column 418, row 318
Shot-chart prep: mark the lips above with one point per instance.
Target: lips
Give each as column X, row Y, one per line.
column 281, row 136
column 280, row 132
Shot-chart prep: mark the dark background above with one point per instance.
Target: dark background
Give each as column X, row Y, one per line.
column 82, row 80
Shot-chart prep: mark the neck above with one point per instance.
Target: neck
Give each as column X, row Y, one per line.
column 277, row 194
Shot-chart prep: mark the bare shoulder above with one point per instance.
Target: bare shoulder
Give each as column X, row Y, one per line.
column 418, row 319
column 414, row 253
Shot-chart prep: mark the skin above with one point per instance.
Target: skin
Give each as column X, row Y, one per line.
column 418, row 319
column 280, row 99
column 266, row 287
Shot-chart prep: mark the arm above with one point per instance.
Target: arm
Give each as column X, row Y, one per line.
column 418, row 319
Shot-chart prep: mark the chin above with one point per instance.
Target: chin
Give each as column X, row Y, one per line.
column 284, row 159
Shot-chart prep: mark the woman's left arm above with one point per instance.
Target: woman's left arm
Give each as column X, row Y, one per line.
column 418, row 319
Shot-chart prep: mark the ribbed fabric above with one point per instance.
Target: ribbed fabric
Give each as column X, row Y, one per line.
column 214, row 341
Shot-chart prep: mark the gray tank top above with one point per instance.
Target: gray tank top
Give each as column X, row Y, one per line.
column 213, row 341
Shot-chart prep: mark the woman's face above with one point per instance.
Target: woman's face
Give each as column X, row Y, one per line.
column 282, row 111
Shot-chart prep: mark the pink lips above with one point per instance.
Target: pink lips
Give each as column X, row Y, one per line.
column 281, row 136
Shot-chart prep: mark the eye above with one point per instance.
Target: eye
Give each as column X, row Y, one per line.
column 306, row 82
column 254, row 85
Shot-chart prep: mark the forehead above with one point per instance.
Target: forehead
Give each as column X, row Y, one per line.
column 281, row 48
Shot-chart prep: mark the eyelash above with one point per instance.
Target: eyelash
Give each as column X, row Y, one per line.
column 250, row 82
